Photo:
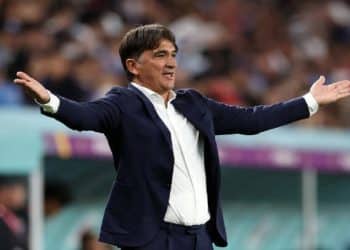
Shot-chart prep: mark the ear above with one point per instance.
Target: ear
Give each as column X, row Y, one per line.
column 131, row 65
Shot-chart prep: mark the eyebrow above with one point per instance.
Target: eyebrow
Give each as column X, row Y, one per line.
column 164, row 51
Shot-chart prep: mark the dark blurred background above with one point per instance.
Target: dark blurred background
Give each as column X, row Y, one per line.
column 239, row 52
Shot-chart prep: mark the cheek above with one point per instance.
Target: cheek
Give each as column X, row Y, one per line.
column 154, row 71
column 151, row 70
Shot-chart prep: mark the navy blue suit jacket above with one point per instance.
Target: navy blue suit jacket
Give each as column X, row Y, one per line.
column 143, row 156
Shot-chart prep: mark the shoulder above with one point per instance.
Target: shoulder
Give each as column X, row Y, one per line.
column 122, row 93
column 118, row 90
column 118, row 96
column 189, row 92
column 192, row 94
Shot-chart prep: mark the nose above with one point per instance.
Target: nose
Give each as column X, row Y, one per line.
column 171, row 63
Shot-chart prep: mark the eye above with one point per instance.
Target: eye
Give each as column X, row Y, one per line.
column 160, row 54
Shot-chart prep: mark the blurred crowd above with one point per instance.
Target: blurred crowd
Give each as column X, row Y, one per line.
column 14, row 213
column 235, row 51
column 13, row 219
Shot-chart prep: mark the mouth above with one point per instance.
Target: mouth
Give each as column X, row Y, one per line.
column 169, row 75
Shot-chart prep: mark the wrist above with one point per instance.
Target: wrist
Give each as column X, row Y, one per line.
column 312, row 103
column 51, row 105
column 43, row 101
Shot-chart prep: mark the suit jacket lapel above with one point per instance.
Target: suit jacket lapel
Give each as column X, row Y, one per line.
column 152, row 112
column 191, row 110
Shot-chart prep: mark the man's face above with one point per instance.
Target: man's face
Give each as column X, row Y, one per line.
column 155, row 69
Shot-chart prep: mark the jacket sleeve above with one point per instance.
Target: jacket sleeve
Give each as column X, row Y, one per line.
column 101, row 115
column 228, row 119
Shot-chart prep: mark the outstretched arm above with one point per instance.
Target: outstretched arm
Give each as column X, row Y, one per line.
column 251, row 120
column 100, row 115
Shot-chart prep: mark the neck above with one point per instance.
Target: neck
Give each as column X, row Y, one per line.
column 163, row 93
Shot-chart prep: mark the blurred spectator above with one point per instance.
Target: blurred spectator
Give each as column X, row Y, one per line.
column 10, row 94
column 239, row 52
column 61, row 80
column 89, row 241
column 57, row 195
column 13, row 233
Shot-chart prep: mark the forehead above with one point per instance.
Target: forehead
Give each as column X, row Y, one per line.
column 165, row 45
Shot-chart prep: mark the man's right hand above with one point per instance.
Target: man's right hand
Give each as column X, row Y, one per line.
column 34, row 88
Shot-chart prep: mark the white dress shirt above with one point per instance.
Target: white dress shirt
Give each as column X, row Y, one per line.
column 188, row 200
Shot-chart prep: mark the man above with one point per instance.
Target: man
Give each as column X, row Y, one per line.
column 166, row 193
column 13, row 233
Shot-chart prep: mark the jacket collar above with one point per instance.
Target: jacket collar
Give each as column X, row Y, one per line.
column 184, row 103
column 152, row 95
column 152, row 112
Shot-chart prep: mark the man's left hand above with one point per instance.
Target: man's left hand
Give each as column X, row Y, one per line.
column 325, row 94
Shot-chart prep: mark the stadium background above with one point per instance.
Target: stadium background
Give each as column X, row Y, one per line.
column 238, row 52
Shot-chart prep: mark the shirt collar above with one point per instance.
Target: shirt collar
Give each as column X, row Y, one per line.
column 152, row 95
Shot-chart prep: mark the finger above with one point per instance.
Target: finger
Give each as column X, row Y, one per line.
column 27, row 84
column 321, row 80
column 345, row 89
column 24, row 76
column 343, row 95
column 344, row 84
column 24, row 83
column 342, row 88
column 339, row 86
column 20, row 81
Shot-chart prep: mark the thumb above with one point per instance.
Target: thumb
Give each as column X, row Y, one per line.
column 320, row 81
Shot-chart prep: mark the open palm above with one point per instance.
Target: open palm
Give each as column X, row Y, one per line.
column 325, row 94
column 34, row 88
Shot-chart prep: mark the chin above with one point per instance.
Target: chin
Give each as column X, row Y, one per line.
column 172, row 85
column 169, row 85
